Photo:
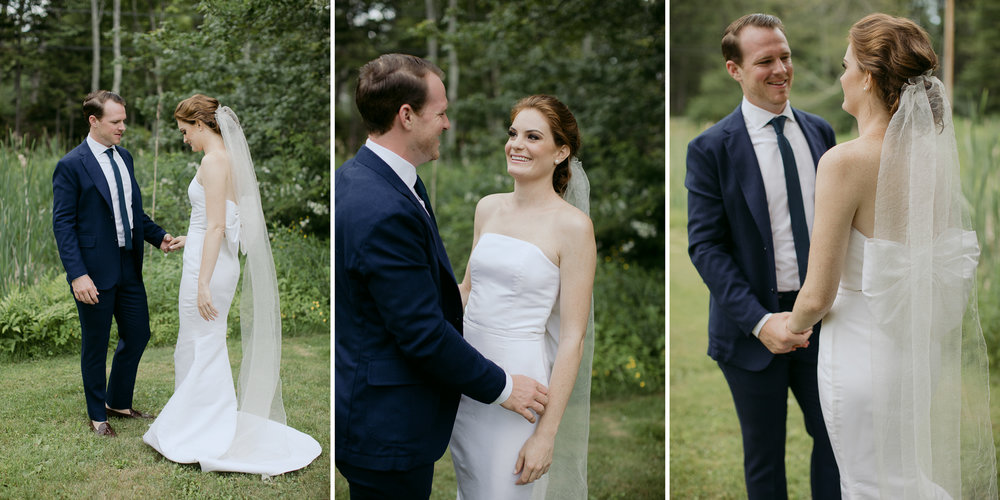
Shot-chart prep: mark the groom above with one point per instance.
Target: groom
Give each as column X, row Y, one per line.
column 401, row 362
column 750, row 181
column 99, row 227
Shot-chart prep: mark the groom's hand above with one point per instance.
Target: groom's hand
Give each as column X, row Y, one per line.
column 527, row 395
column 165, row 243
column 779, row 339
column 84, row 290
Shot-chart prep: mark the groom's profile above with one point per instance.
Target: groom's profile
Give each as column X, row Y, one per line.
column 401, row 362
column 750, row 181
column 99, row 227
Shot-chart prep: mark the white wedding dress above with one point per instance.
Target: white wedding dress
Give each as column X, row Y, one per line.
column 199, row 422
column 514, row 295
column 863, row 365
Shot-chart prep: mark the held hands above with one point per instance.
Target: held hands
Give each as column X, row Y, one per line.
column 534, row 458
column 778, row 339
column 84, row 290
column 170, row 243
column 527, row 395
column 176, row 243
column 205, row 307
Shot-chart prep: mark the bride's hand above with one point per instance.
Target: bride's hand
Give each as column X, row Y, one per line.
column 205, row 307
column 177, row 243
column 534, row 458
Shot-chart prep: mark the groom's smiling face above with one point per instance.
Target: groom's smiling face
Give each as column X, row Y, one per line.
column 765, row 73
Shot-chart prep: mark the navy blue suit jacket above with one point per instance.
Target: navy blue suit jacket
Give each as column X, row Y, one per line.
column 84, row 223
column 729, row 233
column 401, row 362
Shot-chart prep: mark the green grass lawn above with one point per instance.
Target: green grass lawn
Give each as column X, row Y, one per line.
column 47, row 451
column 625, row 458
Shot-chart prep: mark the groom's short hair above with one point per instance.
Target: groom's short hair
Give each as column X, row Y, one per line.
column 93, row 104
column 731, row 37
column 388, row 82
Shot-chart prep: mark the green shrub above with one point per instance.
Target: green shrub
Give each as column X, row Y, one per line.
column 629, row 327
column 39, row 320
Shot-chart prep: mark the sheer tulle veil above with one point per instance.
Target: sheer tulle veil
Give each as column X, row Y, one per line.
column 929, row 367
column 259, row 388
column 567, row 477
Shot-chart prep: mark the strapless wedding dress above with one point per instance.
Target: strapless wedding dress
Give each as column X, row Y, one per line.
column 861, row 364
column 199, row 422
column 515, row 289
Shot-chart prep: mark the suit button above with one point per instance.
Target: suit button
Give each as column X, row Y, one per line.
column 772, row 291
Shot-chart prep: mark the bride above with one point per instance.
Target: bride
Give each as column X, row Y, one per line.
column 902, row 362
column 527, row 290
column 205, row 421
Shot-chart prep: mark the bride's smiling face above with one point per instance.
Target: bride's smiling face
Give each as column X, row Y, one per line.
column 193, row 134
column 531, row 149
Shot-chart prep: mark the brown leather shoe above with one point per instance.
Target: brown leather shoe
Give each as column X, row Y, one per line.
column 103, row 429
column 131, row 413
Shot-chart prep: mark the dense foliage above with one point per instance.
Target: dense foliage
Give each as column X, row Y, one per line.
column 267, row 60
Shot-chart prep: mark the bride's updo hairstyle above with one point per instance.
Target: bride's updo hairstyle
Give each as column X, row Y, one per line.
column 198, row 107
column 892, row 50
column 565, row 131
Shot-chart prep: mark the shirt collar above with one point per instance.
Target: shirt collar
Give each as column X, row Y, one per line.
column 95, row 146
column 756, row 117
column 404, row 169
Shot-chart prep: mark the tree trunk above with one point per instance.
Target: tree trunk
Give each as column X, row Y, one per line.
column 159, row 109
column 432, row 42
column 18, row 69
column 116, row 17
column 95, row 40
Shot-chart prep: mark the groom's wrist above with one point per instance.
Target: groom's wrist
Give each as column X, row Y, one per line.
column 507, row 389
column 760, row 325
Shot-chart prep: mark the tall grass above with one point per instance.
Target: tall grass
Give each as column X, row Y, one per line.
column 26, row 211
column 979, row 154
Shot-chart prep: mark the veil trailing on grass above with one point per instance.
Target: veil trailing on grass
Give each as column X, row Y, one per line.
column 933, row 437
column 567, row 476
column 259, row 388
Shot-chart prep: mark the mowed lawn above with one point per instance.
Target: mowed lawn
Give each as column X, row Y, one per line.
column 47, row 451
column 706, row 451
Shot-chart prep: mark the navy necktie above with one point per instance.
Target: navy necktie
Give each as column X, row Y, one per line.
column 122, row 207
column 796, row 208
column 422, row 193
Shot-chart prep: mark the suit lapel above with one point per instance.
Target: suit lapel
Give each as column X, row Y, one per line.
column 93, row 169
column 747, row 172
column 812, row 134
column 369, row 159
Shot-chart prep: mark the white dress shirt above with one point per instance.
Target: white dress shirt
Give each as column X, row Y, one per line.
column 102, row 159
column 772, row 171
column 408, row 174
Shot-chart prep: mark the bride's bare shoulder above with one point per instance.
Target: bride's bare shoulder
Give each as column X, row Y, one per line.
column 851, row 158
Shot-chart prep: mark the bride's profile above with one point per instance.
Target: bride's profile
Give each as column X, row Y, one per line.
column 207, row 420
column 902, row 368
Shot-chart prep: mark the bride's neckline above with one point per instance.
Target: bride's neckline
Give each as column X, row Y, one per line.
column 530, row 244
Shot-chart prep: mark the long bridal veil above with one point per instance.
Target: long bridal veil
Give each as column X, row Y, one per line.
column 567, row 476
column 259, row 388
column 929, row 366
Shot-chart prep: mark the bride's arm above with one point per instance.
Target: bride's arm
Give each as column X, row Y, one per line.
column 840, row 179
column 577, row 261
column 214, row 177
